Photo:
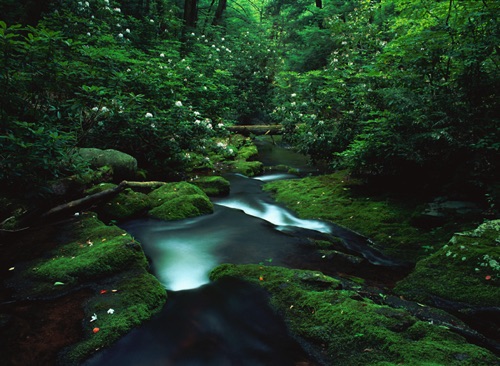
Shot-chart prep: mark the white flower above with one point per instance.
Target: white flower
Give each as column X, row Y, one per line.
column 178, row 103
column 151, row 21
column 162, row 55
column 87, row 3
column 111, row 311
column 196, row 113
column 104, row 109
column 220, row 125
column 95, row 109
column 118, row 10
column 153, row 126
column 148, row 115
column 127, row 30
column 88, row 34
column 120, row 35
column 93, row 318
column 293, row 95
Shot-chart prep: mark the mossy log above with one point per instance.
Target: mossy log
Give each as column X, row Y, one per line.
column 97, row 197
column 247, row 130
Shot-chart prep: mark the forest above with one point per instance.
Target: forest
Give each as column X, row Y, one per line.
column 395, row 101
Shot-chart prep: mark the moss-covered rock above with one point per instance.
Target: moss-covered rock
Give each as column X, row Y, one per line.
column 125, row 205
column 176, row 201
column 340, row 198
column 118, row 309
column 103, row 259
column 213, row 186
column 247, row 152
column 343, row 328
column 93, row 251
column 124, row 166
column 467, row 269
column 248, row 168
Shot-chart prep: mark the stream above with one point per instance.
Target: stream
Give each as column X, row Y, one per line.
column 229, row 322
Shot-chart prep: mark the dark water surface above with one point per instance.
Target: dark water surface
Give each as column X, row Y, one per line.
column 228, row 322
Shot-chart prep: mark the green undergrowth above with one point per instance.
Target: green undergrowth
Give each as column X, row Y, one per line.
column 467, row 269
column 386, row 221
column 347, row 329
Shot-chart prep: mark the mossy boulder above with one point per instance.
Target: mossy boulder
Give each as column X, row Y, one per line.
column 343, row 328
column 213, row 186
column 247, row 152
column 124, row 166
column 119, row 308
column 113, row 269
column 248, row 168
column 176, row 201
column 467, row 270
column 125, row 205
column 93, row 251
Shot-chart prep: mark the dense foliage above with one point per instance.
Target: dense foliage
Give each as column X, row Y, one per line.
column 387, row 88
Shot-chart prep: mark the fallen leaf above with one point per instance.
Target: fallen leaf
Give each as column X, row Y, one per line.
column 12, row 268
column 111, row 311
column 95, row 330
column 102, row 292
column 58, row 283
column 93, row 317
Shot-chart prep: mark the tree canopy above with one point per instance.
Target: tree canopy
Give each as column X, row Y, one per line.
column 386, row 88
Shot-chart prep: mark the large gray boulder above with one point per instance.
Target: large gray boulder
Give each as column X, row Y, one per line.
column 124, row 165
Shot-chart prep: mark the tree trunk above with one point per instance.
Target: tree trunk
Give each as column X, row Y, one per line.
column 319, row 4
column 218, row 13
column 190, row 13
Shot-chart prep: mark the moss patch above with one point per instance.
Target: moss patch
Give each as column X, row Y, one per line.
column 248, row 168
column 124, row 205
column 467, row 269
column 336, row 198
column 213, row 186
column 347, row 329
column 176, row 201
column 125, row 305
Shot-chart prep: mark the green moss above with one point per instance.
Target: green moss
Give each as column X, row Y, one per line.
column 336, row 198
column 348, row 329
column 183, row 207
column 467, row 269
column 171, row 191
column 247, row 152
column 126, row 204
column 248, row 168
column 213, row 186
column 134, row 299
column 95, row 251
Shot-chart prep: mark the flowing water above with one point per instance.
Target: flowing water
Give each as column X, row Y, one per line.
column 228, row 322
